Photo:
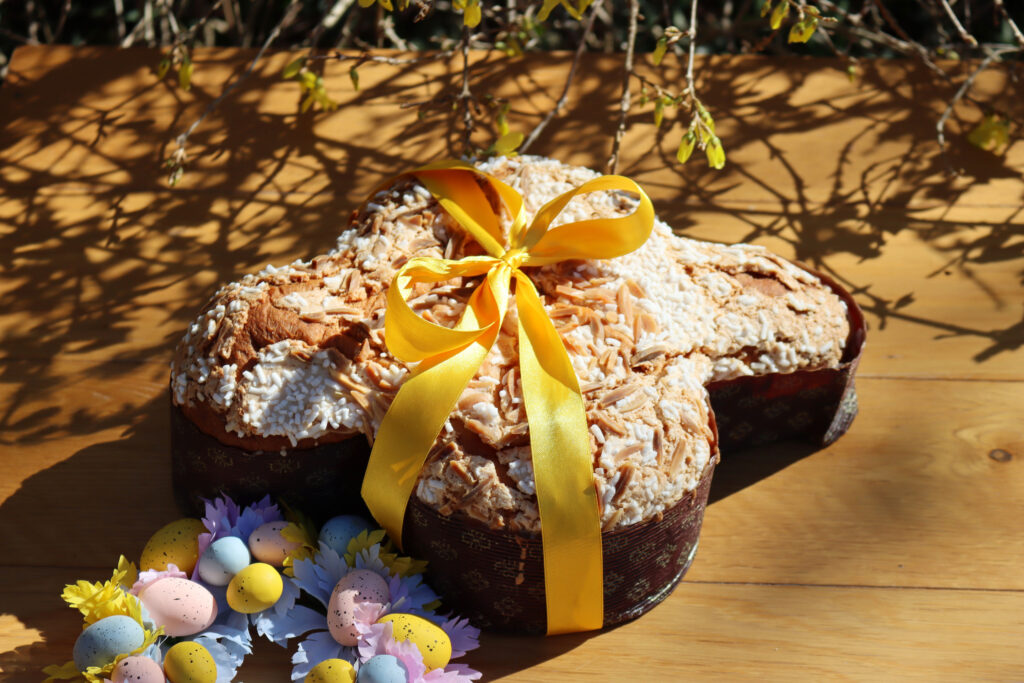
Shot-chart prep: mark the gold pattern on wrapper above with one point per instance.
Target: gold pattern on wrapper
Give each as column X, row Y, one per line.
column 449, row 357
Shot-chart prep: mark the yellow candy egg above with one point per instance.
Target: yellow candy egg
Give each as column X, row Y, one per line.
column 189, row 662
column 331, row 671
column 175, row 544
column 433, row 643
column 255, row 588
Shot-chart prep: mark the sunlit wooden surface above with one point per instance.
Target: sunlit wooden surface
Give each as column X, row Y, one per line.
column 895, row 554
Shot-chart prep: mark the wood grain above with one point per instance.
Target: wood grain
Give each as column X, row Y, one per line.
column 892, row 555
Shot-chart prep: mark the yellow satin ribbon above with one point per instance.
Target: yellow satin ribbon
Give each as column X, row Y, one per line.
column 449, row 357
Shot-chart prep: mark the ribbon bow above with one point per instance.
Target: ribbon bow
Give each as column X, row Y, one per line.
column 449, row 357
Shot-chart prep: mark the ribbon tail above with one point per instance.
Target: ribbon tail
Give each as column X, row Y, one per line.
column 563, row 471
column 423, row 404
column 409, row 430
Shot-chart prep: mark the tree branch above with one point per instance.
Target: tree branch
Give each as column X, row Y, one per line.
column 940, row 126
column 564, row 98
column 613, row 161
column 466, row 97
column 179, row 157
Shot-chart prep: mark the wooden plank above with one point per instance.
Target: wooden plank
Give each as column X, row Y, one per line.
column 764, row 632
column 797, row 133
column 704, row 631
column 910, row 497
column 120, row 275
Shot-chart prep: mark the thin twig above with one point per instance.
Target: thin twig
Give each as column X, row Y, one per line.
column 388, row 24
column 33, row 22
column 466, row 96
column 329, row 20
column 692, row 33
column 364, row 57
column 289, row 15
column 964, row 35
column 852, row 25
column 119, row 11
column 1013, row 25
column 940, row 126
column 64, row 10
column 620, row 130
column 564, row 98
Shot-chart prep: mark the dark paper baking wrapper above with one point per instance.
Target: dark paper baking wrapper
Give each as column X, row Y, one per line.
column 813, row 406
column 496, row 578
column 322, row 481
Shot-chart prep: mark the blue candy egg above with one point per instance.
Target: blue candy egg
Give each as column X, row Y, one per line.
column 383, row 669
column 338, row 531
column 222, row 559
column 101, row 642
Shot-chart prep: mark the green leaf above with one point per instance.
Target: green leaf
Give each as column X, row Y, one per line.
column 780, row 12
column 185, row 75
column 545, row 10
column 802, row 30
column 175, row 176
column 715, row 153
column 163, row 68
column 508, row 143
column 308, row 81
column 991, row 133
column 851, row 73
column 353, row 75
column 659, row 50
column 471, row 16
column 293, row 68
column 659, row 112
column 308, row 102
column 766, row 8
column 686, row 146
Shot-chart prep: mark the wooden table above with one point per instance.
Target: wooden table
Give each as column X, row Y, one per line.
column 896, row 553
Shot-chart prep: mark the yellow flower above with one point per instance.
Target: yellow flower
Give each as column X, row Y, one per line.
column 97, row 601
column 398, row 565
column 574, row 11
column 386, row 4
column 470, row 11
column 301, row 530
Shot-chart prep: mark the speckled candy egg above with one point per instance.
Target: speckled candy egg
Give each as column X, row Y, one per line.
column 433, row 643
column 175, row 544
column 359, row 585
column 331, row 671
column 138, row 669
column 255, row 588
column 383, row 669
column 268, row 545
column 181, row 606
column 338, row 531
column 222, row 559
column 104, row 640
column 189, row 662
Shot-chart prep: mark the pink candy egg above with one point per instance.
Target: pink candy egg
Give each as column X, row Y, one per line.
column 359, row 585
column 269, row 546
column 138, row 669
column 182, row 607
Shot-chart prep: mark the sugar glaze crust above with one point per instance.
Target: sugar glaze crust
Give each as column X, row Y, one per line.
column 294, row 356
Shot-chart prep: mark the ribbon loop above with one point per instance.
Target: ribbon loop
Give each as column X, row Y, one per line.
column 449, row 357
